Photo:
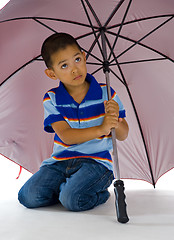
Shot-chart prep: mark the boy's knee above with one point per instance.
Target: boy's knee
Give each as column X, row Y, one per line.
column 22, row 199
column 69, row 198
column 81, row 201
column 72, row 202
column 27, row 199
column 66, row 198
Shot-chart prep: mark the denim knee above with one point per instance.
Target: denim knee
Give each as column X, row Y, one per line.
column 81, row 201
column 23, row 200
column 72, row 201
column 28, row 200
column 36, row 199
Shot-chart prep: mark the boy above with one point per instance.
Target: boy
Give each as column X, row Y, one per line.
column 79, row 171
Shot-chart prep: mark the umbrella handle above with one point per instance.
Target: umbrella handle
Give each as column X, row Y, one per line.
column 120, row 203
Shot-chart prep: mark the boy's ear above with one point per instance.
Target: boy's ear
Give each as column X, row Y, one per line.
column 84, row 55
column 50, row 73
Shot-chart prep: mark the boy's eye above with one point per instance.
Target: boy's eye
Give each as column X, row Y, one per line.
column 78, row 59
column 64, row 66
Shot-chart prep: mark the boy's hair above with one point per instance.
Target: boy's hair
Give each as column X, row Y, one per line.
column 54, row 43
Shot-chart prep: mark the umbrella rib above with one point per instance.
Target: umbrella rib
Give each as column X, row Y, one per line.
column 50, row 19
column 37, row 59
column 113, row 12
column 66, row 21
column 83, row 24
column 92, row 55
column 135, row 111
column 97, row 70
column 116, row 76
column 93, row 45
column 92, row 27
column 43, row 24
column 92, row 63
column 159, row 26
column 140, row 61
column 120, row 28
column 139, row 20
column 85, row 35
column 32, row 60
column 93, row 13
column 88, row 52
column 143, row 45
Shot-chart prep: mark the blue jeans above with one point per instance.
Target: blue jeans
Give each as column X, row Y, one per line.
column 78, row 184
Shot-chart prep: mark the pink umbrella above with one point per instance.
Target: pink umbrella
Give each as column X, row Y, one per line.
column 139, row 43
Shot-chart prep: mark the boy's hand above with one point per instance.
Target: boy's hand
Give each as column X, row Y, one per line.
column 111, row 107
column 111, row 119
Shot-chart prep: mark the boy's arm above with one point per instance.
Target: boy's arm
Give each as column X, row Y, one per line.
column 76, row 136
column 73, row 135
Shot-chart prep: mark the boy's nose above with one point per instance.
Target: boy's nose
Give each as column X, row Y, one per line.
column 74, row 70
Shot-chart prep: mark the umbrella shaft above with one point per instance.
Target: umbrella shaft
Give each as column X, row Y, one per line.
column 106, row 72
column 115, row 154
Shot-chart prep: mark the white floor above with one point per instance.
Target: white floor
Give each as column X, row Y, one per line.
column 151, row 213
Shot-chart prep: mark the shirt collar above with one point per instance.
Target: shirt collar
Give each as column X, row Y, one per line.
column 94, row 92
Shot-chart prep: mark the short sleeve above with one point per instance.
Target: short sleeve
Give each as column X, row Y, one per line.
column 51, row 114
column 122, row 112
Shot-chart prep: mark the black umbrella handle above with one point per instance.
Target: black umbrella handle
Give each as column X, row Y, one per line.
column 120, row 203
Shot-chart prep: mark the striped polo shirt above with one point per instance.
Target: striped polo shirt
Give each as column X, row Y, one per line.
column 60, row 106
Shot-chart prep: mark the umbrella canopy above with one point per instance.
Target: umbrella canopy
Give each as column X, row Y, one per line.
column 139, row 39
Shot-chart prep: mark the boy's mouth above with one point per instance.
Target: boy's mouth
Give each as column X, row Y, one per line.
column 78, row 77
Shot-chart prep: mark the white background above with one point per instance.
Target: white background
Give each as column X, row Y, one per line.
column 3, row 3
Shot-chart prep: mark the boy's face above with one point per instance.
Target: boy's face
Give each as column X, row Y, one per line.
column 69, row 66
